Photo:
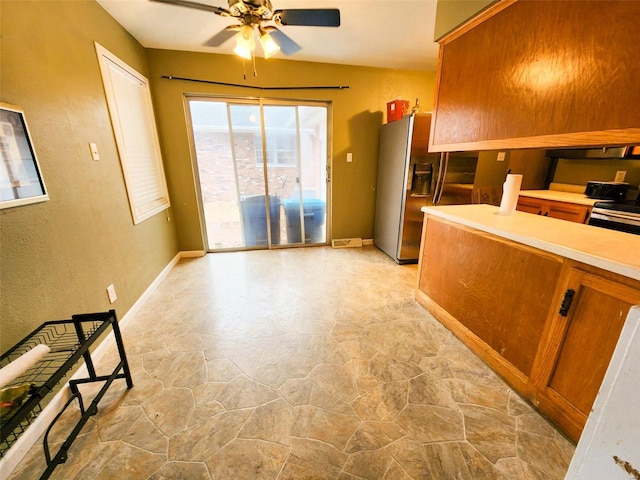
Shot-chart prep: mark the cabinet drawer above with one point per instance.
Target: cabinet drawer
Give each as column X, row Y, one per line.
column 568, row 211
column 571, row 212
column 530, row 205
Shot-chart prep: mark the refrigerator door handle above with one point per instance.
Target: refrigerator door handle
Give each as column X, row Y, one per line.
column 442, row 172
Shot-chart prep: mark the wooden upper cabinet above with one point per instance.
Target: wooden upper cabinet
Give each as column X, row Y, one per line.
column 531, row 74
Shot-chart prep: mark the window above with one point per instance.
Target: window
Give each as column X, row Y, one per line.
column 281, row 148
column 133, row 121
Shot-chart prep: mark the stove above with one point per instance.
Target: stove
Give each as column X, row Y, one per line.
column 622, row 216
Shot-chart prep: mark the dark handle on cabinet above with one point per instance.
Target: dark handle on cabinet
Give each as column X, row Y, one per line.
column 566, row 302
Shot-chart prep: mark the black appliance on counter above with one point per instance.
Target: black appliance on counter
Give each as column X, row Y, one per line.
column 623, row 216
column 607, row 190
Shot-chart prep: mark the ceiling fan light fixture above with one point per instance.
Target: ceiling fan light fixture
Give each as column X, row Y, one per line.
column 252, row 15
column 269, row 46
column 245, row 43
column 243, row 52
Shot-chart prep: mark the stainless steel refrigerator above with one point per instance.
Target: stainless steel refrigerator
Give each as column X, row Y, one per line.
column 409, row 177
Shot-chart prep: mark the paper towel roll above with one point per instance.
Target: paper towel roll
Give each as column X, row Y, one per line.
column 23, row 363
column 510, row 193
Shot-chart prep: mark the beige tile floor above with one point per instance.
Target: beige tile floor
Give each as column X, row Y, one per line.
column 311, row 363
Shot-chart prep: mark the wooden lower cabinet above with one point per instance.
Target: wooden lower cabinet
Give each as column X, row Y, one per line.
column 502, row 299
column 576, row 347
column 483, row 282
column 572, row 212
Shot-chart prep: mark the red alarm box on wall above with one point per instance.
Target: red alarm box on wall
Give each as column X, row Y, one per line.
column 397, row 109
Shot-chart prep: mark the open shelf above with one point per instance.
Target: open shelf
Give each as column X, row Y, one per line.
column 69, row 342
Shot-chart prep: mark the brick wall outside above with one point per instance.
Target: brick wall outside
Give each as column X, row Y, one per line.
column 217, row 179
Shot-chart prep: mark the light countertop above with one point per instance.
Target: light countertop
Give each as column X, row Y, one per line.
column 560, row 196
column 610, row 250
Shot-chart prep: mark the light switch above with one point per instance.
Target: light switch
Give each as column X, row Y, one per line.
column 94, row 151
column 501, row 156
column 349, row 157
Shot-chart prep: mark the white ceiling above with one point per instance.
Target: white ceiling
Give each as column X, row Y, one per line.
column 377, row 33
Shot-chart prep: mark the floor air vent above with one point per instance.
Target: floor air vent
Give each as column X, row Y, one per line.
column 346, row 242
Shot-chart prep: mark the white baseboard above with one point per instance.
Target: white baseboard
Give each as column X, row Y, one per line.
column 21, row 447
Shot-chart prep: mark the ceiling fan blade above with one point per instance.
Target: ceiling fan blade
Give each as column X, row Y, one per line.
column 222, row 36
column 196, row 5
column 286, row 44
column 309, row 17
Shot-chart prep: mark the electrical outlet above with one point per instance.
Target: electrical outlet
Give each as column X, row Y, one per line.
column 620, row 174
column 111, row 293
column 501, row 156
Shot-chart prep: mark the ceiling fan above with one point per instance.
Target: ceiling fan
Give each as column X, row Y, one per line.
column 255, row 15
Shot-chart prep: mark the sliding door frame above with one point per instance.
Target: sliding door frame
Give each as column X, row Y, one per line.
column 261, row 102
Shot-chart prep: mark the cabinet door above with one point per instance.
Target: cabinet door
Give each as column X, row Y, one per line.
column 530, row 205
column 568, row 211
column 576, row 349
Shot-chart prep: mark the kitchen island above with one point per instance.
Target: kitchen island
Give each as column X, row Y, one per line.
column 541, row 300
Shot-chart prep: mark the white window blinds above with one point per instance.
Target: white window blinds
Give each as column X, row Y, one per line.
column 134, row 126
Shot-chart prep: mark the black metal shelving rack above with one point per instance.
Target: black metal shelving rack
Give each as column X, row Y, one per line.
column 69, row 341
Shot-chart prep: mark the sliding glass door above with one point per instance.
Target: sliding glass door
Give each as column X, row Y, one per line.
column 262, row 171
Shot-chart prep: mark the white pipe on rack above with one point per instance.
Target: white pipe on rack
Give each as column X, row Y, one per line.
column 23, row 363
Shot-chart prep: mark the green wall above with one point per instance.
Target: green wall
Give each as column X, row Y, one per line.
column 532, row 164
column 57, row 257
column 579, row 172
column 358, row 113
column 452, row 13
